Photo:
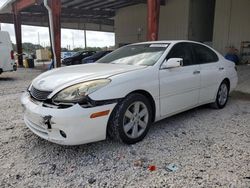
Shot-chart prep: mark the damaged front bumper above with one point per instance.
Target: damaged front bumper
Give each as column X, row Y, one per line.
column 68, row 126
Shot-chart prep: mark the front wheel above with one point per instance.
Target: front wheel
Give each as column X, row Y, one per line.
column 222, row 96
column 131, row 119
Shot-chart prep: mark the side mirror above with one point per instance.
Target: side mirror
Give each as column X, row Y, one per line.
column 172, row 63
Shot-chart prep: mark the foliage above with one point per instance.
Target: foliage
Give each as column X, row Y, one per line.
column 29, row 47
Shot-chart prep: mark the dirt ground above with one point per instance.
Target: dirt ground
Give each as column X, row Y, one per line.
column 210, row 148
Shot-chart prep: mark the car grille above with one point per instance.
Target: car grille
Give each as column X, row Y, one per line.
column 38, row 94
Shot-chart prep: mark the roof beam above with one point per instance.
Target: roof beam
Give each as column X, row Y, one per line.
column 22, row 4
column 70, row 11
column 83, row 4
column 8, row 18
column 66, row 2
column 120, row 4
column 69, row 3
column 97, row 4
column 88, row 12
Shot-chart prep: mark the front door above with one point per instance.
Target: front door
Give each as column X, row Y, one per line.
column 179, row 87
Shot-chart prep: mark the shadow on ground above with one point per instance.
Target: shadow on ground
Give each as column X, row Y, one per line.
column 5, row 79
column 240, row 95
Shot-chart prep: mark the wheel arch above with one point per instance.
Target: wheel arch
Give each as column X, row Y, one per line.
column 150, row 99
column 228, row 82
column 112, row 130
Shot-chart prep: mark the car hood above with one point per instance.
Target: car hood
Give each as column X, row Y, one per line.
column 59, row 77
column 68, row 58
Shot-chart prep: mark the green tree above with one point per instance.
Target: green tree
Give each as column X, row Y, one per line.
column 29, row 47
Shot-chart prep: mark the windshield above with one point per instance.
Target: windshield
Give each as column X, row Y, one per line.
column 98, row 54
column 140, row 54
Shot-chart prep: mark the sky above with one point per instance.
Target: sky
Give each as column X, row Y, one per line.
column 72, row 38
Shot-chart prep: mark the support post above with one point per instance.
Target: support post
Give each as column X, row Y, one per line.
column 17, row 6
column 55, row 6
column 85, row 38
column 153, row 19
column 18, row 33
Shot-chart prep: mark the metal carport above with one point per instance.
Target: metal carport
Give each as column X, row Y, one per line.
column 74, row 14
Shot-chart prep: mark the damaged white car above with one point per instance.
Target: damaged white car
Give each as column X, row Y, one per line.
column 126, row 91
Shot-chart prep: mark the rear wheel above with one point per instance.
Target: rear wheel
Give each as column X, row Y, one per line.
column 131, row 119
column 76, row 62
column 222, row 96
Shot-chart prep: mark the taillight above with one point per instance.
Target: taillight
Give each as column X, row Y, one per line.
column 12, row 54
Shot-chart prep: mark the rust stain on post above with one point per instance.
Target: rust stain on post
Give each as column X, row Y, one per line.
column 55, row 6
column 22, row 4
column 17, row 6
column 153, row 19
column 18, row 33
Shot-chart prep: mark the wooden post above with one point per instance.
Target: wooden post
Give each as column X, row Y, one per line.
column 153, row 19
column 18, row 33
column 55, row 6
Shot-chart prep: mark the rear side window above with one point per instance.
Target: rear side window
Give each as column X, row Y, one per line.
column 204, row 55
column 182, row 50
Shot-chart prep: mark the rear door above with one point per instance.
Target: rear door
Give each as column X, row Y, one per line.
column 210, row 72
column 179, row 87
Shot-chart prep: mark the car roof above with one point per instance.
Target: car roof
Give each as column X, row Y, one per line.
column 97, row 54
column 173, row 42
column 167, row 41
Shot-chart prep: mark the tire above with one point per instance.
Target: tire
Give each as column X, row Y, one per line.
column 222, row 96
column 77, row 62
column 131, row 119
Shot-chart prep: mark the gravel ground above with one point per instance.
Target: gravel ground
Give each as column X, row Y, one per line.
column 211, row 148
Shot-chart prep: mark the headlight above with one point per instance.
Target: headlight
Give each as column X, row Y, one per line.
column 78, row 92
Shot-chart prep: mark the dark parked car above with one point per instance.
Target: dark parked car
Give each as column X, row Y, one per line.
column 95, row 57
column 77, row 58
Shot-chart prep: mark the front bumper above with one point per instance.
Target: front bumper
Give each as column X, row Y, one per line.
column 74, row 121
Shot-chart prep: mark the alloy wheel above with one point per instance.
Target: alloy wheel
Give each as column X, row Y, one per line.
column 135, row 119
column 223, row 94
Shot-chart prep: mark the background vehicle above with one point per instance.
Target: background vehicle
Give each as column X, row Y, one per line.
column 67, row 54
column 123, row 93
column 7, row 61
column 95, row 57
column 77, row 58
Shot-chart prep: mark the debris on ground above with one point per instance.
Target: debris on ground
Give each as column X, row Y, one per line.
column 199, row 150
column 138, row 163
column 152, row 168
column 172, row 168
column 91, row 180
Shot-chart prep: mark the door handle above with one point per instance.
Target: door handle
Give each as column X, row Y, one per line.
column 221, row 68
column 196, row 72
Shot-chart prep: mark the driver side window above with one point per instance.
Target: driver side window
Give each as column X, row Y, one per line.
column 182, row 50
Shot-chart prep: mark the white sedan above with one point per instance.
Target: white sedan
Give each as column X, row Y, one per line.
column 126, row 91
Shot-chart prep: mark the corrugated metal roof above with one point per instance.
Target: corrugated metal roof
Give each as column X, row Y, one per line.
column 99, row 4
column 91, row 11
column 110, row 5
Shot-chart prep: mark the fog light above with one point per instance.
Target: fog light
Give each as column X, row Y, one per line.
column 63, row 134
